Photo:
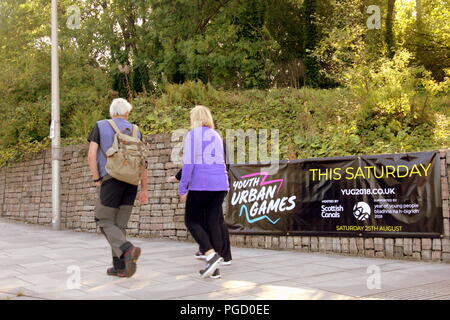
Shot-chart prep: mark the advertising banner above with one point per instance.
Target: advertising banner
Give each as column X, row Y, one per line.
column 380, row 195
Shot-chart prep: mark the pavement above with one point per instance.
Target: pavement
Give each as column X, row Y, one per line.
column 39, row 263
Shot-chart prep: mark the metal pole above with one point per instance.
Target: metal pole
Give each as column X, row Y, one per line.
column 55, row 127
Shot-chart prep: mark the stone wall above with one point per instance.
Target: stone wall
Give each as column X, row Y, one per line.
column 25, row 195
column 25, row 192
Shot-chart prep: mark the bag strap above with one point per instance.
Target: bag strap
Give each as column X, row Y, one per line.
column 135, row 132
column 135, row 129
column 114, row 126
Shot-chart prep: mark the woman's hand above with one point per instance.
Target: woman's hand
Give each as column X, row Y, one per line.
column 183, row 197
column 172, row 179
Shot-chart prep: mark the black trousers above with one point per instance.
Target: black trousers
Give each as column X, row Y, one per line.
column 225, row 253
column 115, row 193
column 204, row 219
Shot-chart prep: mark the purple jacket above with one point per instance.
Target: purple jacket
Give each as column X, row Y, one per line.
column 203, row 162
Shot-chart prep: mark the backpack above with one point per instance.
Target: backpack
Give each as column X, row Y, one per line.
column 126, row 159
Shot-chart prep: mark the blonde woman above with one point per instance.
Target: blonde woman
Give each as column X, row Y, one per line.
column 204, row 185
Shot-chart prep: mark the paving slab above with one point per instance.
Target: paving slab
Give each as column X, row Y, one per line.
column 37, row 262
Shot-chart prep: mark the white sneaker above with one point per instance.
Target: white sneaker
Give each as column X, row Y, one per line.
column 211, row 266
column 200, row 256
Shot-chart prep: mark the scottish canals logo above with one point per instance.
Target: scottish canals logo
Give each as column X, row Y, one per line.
column 258, row 197
column 361, row 211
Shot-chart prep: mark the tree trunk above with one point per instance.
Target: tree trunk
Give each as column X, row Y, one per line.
column 419, row 30
column 389, row 35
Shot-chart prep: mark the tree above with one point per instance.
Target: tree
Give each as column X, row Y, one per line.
column 389, row 33
column 311, row 40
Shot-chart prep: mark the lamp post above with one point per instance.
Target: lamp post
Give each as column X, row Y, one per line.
column 55, row 126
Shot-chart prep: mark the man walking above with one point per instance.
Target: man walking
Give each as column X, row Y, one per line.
column 116, row 197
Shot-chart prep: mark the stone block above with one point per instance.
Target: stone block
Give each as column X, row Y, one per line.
column 368, row 243
column 360, row 244
column 329, row 244
column 417, row 247
column 437, row 245
column 407, row 249
column 445, row 245
column 290, row 242
column 446, row 227
column 353, row 246
column 444, row 186
column 398, row 252
column 322, row 244
column 436, row 255
column 378, row 244
column 297, row 242
column 426, row 244
column 268, row 242
column 445, row 209
column 336, row 245
column 446, row 257
column 283, row 243
column 305, row 241
column 275, row 242
column 345, row 245
column 426, row 255
column 314, row 244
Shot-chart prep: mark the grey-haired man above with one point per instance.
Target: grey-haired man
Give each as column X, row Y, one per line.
column 115, row 198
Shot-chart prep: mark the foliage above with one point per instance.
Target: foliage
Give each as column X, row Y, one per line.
column 311, row 122
column 386, row 90
column 233, row 55
column 22, row 151
column 422, row 28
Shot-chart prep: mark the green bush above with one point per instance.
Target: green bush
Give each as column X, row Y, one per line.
column 26, row 102
column 386, row 89
column 82, row 122
column 311, row 122
column 22, row 151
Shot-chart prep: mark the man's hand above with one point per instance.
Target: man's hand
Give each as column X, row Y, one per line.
column 172, row 179
column 98, row 183
column 183, row 197
column 143, row 197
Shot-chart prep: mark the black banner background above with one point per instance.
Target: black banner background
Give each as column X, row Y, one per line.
column 416, row 189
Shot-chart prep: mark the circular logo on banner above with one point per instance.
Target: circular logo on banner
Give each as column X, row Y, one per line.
column 361, row 211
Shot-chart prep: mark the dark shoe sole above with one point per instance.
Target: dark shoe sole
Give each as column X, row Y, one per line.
column 130, row 262
column 115, row 274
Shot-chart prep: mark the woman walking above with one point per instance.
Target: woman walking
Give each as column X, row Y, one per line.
column 225, row 253
column 204, row 185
